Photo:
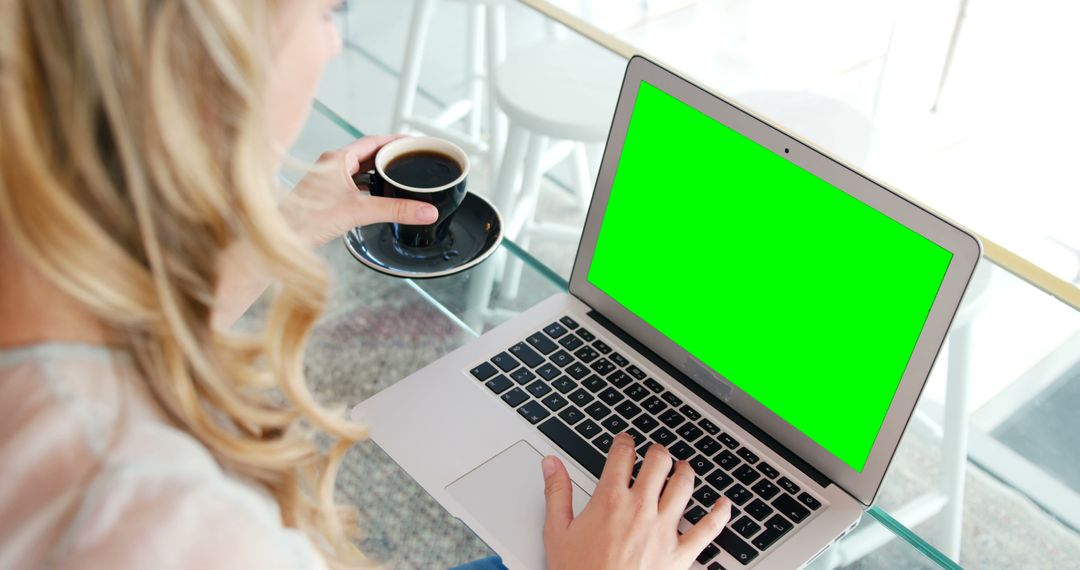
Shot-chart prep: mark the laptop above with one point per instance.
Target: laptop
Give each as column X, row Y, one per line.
column 762, row 310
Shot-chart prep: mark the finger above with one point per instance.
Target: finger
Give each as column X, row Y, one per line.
column 620, row 463
column 654, row 471
column 360, row 154
column 377, row 210
column 677, row 491
column 558, row 496
column 708, row 528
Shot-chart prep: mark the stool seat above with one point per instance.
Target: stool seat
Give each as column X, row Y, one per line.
column 560, row 89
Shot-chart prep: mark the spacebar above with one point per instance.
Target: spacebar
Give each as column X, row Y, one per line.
column 572, row 443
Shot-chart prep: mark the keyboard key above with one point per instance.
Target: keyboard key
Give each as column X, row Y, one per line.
column 708, row 446
column 695, row 514
column 555, row 402
column 635, row 372
column 637, row 469
column 526, row 355
column 562, row 358
column 672, row 418
column 515, row 397
column 759, row 509
column 653, row 405
column 653, row 385
column 611, row 396
column 791, row 508
column 572, row 415
column 738, row 494
column 554, row 330
column 710, row 552
column 728, row 441
column 690, row 413
column 639, row 438
column 615, row 424
column 627, row 409
column 719, row 479
column 571, row 342
column 767, row 470
column 504, row 361
column 788, row 485
column 594, row 383
column 601, row 347
column 746, row 526
column 602, row 367
column 671, row 399
column 523, row 376
column 586, row 335
column 709, row 427
column 581, row 397
column 533, row 412
column 620, row 379
column 727, row 460
column 586, row 354
column 636, row 392
column 563, row 384
column 715, row 566
column 662, row 436
column 542, row 343
column 701, row 465
column 499, row 384
column 618, row 359
column 746, row 474
column 735, row 546
column 483, row 372
column 689, row 432
column 538, row 389
column 646, row 423
column 765, row 489
column 548, row 371
column 747, row 455
column 604, row 441
column 706, row 495
column 573, row 445
column 597, row 411
column 809, row 501
column 774, row 529
column 569, row 323
column 681, row 450
column 588, row 429
column 577, row 370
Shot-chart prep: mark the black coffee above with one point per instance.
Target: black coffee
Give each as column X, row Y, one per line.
column 423, row 169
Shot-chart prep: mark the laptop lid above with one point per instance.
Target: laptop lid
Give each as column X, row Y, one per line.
column 809, row 298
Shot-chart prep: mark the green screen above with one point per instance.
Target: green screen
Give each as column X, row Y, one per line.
column 804, row 297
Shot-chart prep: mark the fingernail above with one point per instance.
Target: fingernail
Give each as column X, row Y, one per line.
column 427, row 214
column 548, row 466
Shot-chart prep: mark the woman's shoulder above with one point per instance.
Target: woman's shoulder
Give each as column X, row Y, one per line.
column 97, row 478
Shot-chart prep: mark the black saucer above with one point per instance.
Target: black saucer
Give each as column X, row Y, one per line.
column 475, row 233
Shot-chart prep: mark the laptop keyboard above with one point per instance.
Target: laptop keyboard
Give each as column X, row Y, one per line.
column 580, row 393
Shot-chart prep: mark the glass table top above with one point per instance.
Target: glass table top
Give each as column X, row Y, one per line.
column 378, row 329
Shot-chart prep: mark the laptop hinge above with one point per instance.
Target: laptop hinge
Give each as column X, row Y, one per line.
column 712, row 400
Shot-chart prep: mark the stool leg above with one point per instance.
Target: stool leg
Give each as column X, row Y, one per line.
column 524, row 213
column 955, row 440
column 474, row 67
column 505, row 192
column 410, row 67
column 496, row 52
column 584, row 176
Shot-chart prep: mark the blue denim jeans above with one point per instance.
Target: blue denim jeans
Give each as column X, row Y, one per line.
column 489, row 563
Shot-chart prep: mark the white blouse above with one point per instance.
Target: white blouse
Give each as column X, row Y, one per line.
column 92, row 475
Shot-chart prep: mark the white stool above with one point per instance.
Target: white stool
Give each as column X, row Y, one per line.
column 486, row 36
column 558, row 96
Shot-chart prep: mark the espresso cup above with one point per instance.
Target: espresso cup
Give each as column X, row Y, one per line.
column 420, row 168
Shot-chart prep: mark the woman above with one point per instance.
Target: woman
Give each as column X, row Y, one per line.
column 139, row 143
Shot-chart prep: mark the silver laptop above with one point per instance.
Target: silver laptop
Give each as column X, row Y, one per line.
column 765, row 312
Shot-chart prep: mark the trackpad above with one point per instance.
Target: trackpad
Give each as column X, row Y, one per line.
column 506, row 495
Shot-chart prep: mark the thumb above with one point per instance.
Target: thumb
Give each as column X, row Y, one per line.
column 559, row 495
column 377, row 210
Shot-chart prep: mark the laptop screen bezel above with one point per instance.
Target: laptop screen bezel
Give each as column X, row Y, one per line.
column 964, row 246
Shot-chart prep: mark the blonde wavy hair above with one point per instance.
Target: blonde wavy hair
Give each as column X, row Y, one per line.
column 133, row 152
